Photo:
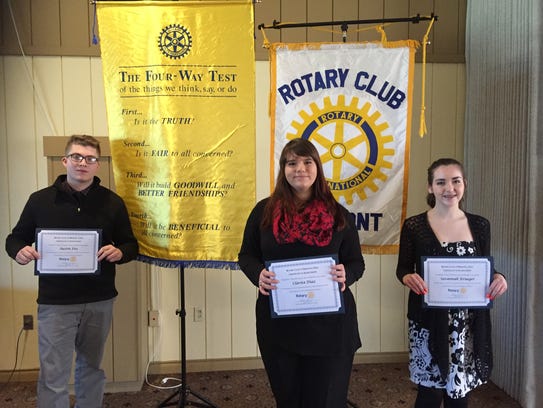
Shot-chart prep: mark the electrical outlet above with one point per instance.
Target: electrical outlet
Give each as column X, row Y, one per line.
column 28, row 322
column 198, row 314
column 153, row 318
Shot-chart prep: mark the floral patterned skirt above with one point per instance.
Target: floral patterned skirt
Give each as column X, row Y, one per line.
column 462, row 376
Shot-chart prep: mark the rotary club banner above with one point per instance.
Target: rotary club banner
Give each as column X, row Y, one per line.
column 353, row 102
column 179, row 86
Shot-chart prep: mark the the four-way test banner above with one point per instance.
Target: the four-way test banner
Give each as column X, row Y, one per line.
column 179, row 83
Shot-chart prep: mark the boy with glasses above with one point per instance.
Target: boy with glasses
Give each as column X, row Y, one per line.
column 74, row 309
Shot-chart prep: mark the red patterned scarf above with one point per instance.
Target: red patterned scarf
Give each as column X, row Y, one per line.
column 312, row 226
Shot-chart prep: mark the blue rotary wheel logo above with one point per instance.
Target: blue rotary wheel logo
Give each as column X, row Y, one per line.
column 174, row 41
column 352, row 143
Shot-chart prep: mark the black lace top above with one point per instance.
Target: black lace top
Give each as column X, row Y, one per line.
column 418, row 239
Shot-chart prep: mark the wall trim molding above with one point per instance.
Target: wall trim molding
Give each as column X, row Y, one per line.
column 172, row 367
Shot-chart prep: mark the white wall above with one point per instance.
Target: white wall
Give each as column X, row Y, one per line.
column 64, row 95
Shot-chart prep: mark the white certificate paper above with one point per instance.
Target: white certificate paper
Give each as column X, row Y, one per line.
column 305, row 287
column 67, row 251
column 457, row 281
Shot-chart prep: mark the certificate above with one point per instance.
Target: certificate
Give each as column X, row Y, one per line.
column 67, row 251
column 305, row 287
column 457, row 281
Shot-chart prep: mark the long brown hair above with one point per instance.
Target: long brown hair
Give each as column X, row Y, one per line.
column 284, row 193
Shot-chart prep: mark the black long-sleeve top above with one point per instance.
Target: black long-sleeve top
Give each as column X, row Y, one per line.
column 331, row 334
column 57, row 206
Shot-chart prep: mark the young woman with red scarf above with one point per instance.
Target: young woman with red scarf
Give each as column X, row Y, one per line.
column 308, row 359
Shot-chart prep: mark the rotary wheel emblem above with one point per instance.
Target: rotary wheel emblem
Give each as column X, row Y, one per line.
column 174, row 41
column 351, row 144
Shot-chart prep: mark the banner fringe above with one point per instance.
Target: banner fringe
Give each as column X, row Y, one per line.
column 379, row 250
column 169, row 263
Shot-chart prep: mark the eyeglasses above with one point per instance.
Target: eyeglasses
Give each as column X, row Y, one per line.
column 77, row 158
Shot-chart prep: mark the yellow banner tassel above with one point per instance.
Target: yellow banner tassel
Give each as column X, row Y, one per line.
column 422, row 129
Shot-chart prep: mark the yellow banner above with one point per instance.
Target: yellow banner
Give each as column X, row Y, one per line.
column 179, row 84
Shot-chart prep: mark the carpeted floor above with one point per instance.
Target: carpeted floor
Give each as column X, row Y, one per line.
column 372, row 385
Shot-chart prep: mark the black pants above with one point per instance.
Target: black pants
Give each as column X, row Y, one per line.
column 432, row 398
column 308, row 381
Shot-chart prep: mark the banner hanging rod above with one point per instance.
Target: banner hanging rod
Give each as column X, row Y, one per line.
column 277, row 25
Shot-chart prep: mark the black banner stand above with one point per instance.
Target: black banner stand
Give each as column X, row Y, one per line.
column 184, row 391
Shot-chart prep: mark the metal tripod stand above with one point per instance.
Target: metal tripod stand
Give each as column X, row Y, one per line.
column 184, row 392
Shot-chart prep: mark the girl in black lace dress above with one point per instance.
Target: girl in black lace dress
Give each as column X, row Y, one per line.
column 450, row 349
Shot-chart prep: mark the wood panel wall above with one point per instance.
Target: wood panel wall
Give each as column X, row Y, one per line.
column 66, row 27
